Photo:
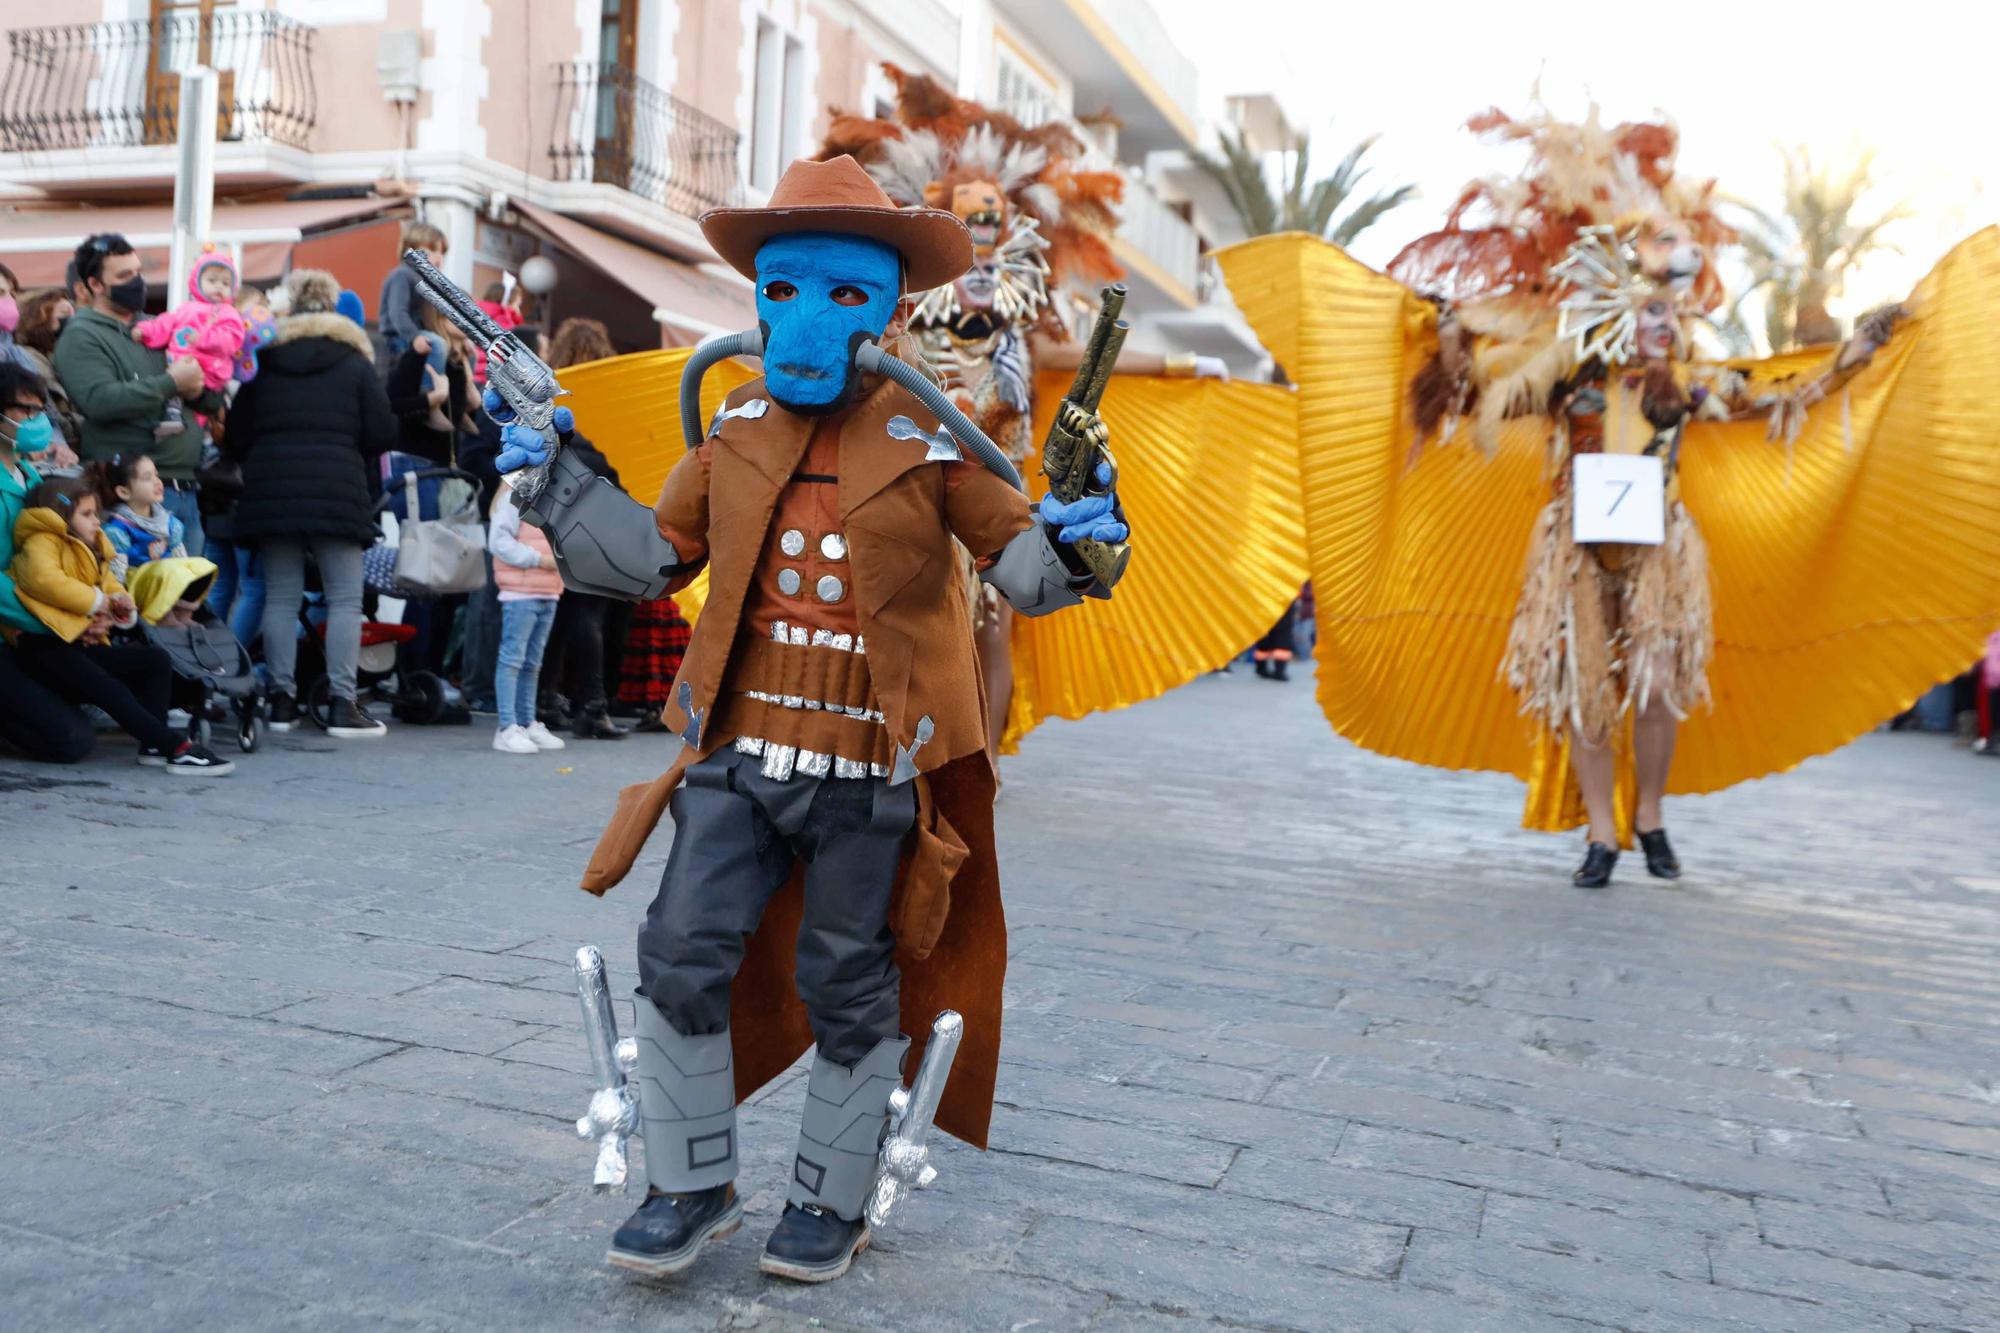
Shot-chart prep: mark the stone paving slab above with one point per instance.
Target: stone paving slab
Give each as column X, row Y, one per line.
column 1298, row 1039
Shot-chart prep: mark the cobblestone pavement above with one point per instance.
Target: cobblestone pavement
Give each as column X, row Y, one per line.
column 1298, row 1038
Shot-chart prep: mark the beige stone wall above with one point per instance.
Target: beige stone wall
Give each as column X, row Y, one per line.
column 708, row 51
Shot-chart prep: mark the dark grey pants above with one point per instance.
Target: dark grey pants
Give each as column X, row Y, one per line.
column 737, row 835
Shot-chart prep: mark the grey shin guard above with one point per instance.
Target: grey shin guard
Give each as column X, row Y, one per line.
column 841, row 1135
column 687, row 1105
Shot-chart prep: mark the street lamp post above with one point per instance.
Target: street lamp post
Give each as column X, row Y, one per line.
column 194, row 175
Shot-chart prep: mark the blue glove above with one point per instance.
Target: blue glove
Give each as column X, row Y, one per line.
column 519, row 446
column 1094, row 516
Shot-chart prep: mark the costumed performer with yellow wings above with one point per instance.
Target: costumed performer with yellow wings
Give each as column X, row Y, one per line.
column 1849, row 496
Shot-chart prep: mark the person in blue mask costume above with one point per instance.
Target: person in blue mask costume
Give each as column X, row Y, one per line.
column 832, row 880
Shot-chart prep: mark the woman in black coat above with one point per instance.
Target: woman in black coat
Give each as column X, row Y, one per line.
column 308, row 430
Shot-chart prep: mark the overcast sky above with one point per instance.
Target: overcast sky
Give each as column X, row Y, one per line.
column 1914, row 79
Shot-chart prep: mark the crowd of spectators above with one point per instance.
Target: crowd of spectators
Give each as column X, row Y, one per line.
column 259, row 485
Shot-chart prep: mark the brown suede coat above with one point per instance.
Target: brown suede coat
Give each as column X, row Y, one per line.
column 899, row 513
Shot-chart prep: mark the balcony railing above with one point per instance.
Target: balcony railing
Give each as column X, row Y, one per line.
column 614, row 127
column 86, row 85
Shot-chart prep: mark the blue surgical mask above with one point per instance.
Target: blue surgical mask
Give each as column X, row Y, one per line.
column 34, row 435
column 819, row 297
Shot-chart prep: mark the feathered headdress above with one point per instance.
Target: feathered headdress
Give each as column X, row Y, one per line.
column 1506, row 235
column 938, row 141
column 1545, row 267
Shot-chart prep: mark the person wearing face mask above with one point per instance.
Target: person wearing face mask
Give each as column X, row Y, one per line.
column 133, row 400
column 33, row 719
column 833, row 804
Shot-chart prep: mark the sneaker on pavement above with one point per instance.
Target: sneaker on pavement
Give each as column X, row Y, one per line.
column 514, row 740
column 152, row 758
column 543, row 738
column 193, row 760
column 350, row 721
column 284, row 712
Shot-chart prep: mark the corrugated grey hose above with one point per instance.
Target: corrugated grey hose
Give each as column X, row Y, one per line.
column 873, row 361
column 750, row 342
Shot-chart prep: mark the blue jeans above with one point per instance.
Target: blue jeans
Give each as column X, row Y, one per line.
column 237, row 595
column 524, row 633
column 181, row 504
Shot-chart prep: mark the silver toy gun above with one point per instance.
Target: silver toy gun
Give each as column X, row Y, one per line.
column 614, row 1107
column 1074, row 449
column 905, row 1164
column 605, row 542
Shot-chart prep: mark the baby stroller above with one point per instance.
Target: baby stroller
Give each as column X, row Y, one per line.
column 417, row 692
column 205, row 655
column 209, row 657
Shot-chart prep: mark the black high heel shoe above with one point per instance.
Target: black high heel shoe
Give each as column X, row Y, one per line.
column 1595, row 872
column 1661, row 863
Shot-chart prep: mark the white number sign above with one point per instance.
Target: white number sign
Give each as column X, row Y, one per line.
column 1619, row 498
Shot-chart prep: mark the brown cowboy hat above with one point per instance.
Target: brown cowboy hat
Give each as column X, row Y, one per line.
column 839, row 197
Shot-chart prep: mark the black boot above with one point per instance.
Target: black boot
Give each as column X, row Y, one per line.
column 593, row 724
column 668, row 1231
column 1595, row 872
column 811, row 1244
column 1281, row 670
column 1263, row 668
column 1661, row 863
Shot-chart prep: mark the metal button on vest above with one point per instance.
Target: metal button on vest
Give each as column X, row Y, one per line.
column 789, row 582
column 793, row 542
column 833, row 546
column 830, row 589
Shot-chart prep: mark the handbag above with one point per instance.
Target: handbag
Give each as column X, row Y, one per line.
column 441, row 555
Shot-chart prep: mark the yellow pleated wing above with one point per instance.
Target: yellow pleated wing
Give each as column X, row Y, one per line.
column 1208, row 476
column 1849, row 574
column 629, row 407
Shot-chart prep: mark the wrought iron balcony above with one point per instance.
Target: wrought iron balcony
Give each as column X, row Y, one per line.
column 614, row 127
column 86, row 85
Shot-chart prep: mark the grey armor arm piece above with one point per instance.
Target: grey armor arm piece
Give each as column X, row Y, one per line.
column 605, row 542
column 1032, row 575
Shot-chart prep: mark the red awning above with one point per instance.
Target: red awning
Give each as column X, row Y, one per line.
column 37, row 243
column 683, row 297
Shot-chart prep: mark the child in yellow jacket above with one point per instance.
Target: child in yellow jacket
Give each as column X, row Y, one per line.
column 62, row 573
column 62, row 564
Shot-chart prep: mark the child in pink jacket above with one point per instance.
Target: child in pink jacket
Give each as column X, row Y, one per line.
column 207, row 326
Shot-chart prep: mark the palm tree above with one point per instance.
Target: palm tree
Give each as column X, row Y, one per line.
column 1799, row 257
column 1306, row 205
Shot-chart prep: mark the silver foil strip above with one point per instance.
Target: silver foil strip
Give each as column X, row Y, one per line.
column 782, row 761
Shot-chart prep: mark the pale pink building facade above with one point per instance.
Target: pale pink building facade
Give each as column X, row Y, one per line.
column 591, row 131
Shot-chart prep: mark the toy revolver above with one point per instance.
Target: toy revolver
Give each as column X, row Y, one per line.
column 1075, row 448
column 905, row 1162
column 614, row 1108
column 605, row 542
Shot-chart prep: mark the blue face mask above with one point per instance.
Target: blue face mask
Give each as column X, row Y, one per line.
column 819, row 297
column 34, row 435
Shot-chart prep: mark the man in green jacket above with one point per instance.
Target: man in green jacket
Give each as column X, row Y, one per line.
column 133, row 400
